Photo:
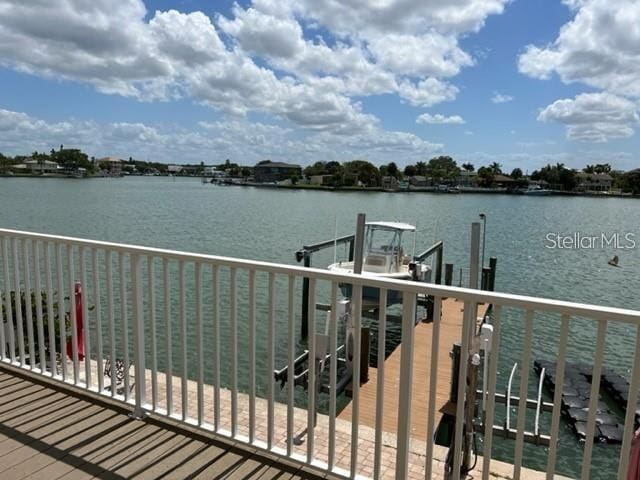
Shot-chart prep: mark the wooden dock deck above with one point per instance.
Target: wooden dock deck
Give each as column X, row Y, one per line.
column 48, row 433
column 450, row 332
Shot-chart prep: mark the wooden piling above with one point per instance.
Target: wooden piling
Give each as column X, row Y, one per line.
column 448, row 274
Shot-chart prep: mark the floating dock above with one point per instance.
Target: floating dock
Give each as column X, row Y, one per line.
column 576, row 395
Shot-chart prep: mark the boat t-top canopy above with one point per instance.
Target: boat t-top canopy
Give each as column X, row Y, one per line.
column 392, row 226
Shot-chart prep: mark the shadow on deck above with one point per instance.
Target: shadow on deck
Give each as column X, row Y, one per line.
column 49, row 433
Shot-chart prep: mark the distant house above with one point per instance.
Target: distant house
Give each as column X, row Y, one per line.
column 272, row 172
column 320, row 179
column 467, row 178
column 419, row 181
column 594, row 182
column 503, row 181
column 390, row 183
column 112, row 165
column 44, row 166
column 174, row 169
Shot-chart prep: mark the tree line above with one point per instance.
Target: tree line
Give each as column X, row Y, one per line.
column 444, row 169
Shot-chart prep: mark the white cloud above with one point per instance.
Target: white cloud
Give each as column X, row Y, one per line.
column 399, row 16
column 243, row 141
column 427, row 92
column 594, row 117
column 265, row 63
column 599, row 47
column 440, row 119
column 501, row 98
column 430, row 54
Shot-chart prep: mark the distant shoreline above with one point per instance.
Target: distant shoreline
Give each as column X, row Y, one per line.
column 324, row 188
column 461, row 191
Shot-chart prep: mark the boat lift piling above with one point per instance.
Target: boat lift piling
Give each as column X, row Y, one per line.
column 305, row 254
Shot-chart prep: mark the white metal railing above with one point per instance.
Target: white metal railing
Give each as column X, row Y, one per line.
column 150, row 307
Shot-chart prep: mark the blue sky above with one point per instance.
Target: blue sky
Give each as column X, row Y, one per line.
column 519, row 82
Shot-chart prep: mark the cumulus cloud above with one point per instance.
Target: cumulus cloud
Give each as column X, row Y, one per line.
column 501, row 98
column 594, row 117
column 599, row 47
column 427, row 92
column 440, row 119
column 259, row 59
column 399, row 16
column 244, row 141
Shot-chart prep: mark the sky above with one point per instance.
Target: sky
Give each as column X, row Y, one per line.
column 520, row 82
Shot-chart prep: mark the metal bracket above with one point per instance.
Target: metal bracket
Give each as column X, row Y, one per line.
column 138, row 414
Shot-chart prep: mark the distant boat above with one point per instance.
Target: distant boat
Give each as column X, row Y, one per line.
column 536, row 190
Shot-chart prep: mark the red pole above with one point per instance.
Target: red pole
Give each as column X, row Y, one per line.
column 79, row 325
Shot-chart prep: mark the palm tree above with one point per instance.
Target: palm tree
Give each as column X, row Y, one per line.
column 496, row 168
column 421, row 168
column 468, row 167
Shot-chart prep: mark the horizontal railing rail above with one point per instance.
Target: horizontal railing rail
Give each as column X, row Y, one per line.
column 597, row 312
column 198, row 338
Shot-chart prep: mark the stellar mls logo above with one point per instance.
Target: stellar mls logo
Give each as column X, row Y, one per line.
column 581, row 241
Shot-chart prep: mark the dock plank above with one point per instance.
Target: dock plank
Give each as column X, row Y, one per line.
column 450, row 332
column 47, row 433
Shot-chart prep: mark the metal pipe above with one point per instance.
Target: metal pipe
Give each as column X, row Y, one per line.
column 304, row 326
column 484, row 235
column 359, row 244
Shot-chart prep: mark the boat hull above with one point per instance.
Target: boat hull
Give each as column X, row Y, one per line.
column 371, row 295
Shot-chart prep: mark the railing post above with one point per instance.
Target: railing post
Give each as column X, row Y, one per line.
column 406, row 379
column 138, row 366
column 304, row 327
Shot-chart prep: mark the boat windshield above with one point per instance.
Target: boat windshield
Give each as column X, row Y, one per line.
column 382, row 241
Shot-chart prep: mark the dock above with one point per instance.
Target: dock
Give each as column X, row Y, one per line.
column 450, row 332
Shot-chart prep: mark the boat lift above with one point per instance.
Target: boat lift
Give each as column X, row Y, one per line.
column 300, row 375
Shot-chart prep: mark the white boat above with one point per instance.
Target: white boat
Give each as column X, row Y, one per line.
column 384, row 257
column 536, row 190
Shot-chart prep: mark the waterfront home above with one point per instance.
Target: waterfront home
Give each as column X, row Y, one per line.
column 271, row 172
column 210, row 171
column 594, row 182
column 320, row 179
column 390, row 183
column 42, row 166
column 500, row 180
column 466, row 178
column 112, row 165
column 419, row 181
column 174, row 169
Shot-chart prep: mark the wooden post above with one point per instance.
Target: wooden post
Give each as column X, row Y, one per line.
column 351, row 246
column 364, row 354
column 492, row 266
column 475, row 255
column 438, row 273
column 448, row 274
column 304, row 327
column 485, row 283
